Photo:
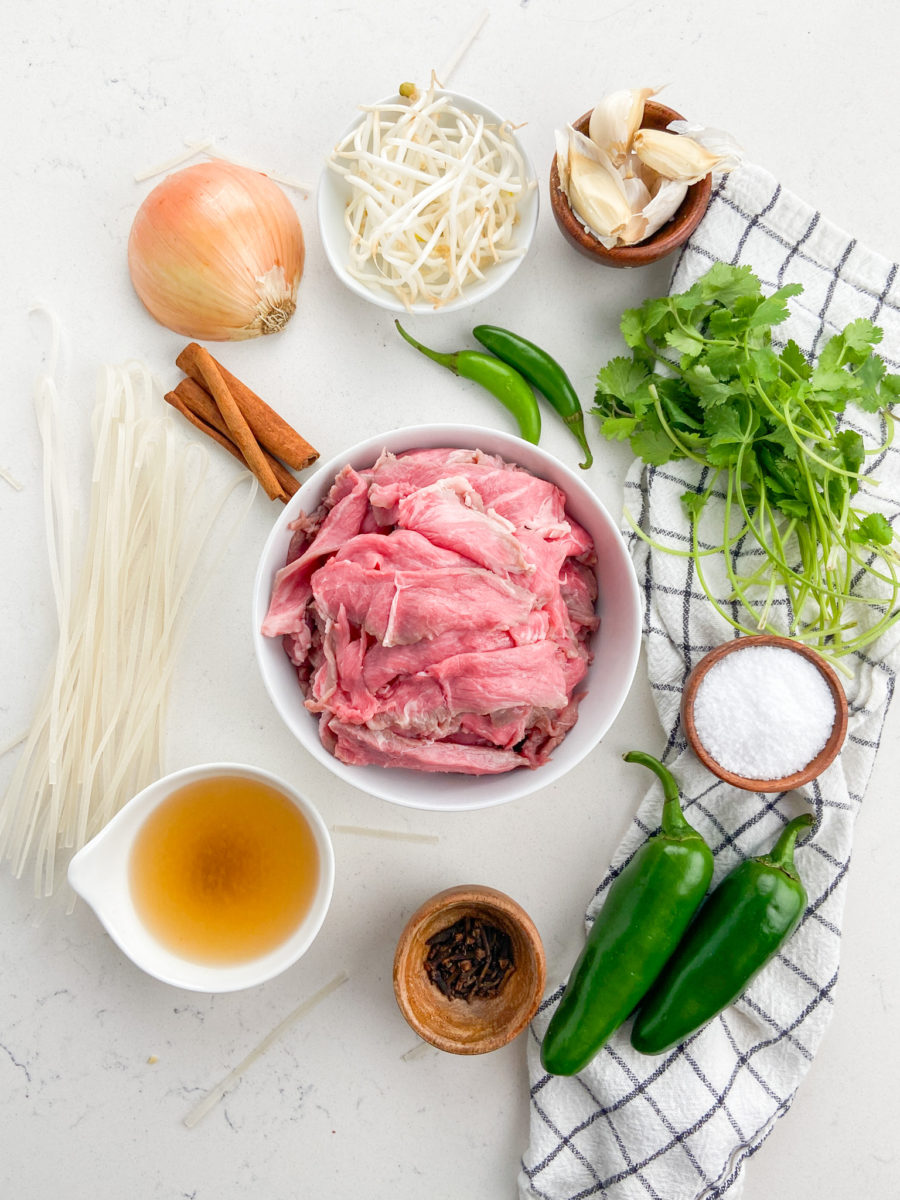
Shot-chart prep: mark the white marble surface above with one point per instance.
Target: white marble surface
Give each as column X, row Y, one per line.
column 92, row 93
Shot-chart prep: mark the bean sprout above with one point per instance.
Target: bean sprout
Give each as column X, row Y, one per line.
column 434, row 197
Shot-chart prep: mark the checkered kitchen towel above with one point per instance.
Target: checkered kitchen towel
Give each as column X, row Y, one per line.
column 680, row 1126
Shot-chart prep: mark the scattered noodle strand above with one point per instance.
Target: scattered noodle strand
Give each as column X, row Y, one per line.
column 398, row 835
column 212, row 1098
column 463, row 49
column 8, row 477
column 209, row 148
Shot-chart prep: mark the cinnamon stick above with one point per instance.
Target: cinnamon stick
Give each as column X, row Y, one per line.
column 202, row 405
column 239, row 430
column 215, row 428
column 269, row 429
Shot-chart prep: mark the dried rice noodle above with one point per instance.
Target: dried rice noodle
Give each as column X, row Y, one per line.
column 96, row 737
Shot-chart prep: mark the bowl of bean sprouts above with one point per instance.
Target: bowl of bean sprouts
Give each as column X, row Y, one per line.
column 428, row 202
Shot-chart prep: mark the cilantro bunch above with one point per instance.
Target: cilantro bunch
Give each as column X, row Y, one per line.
column 704, row 382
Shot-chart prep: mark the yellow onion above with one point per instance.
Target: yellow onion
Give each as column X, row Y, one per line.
column 216, row 252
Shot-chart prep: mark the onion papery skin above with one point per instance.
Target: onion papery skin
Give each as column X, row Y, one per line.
column 216, row 252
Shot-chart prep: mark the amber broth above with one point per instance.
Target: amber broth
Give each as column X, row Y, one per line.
column 224, row 870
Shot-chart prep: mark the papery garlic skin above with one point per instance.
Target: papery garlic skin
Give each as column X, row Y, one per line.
column 636, row 192
column 664, row 204
column 616, row 119
column 675, row 156
column 216, row 252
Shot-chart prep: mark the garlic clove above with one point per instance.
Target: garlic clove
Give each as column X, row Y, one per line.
column 675, row 156
column 634, row 231
column 717, row 141
column 615, row 120
column 569, row 141
column 597, row 195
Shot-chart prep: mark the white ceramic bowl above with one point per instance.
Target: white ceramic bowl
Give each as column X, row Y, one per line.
column 616, row 644
column 99, row 873
column 334, row 194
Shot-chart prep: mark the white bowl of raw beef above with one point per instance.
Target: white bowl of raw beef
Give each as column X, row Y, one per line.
column 452, row 763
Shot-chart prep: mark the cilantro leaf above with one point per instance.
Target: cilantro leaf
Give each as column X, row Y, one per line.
column 726, row 284
column 888, row 394
column 617, row 429
column 774, row 309
column 792, row 507
column 620, row 377
column 709, row 390
column 723, row 360
column 850, row 449
column 694, row 503
column 874, row 528
column 861, row 335
column 632, row 327
column 688, row 342
column 793, row 358
column 724, row 426
column 654, row 446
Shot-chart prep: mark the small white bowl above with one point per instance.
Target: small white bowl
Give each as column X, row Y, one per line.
column 616, row 644
column 334, row 195
column 99, row 873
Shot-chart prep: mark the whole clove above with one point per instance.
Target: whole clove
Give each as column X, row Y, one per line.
column 469, row 960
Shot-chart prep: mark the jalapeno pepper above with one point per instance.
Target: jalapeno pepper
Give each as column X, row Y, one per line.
column 744, row 922
column 646, row 911
column 543, row 373
column 502, row 380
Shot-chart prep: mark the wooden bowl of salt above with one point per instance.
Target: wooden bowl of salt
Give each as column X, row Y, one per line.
column 764, row 713
column 469, row 970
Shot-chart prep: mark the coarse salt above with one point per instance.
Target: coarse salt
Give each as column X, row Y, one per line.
column 763, row 712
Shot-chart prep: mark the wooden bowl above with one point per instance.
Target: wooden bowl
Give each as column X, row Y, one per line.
column 667, row 238
column 817, row 765
column 477, row 1026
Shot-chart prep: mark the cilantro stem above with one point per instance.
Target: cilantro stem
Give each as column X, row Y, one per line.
column 676, row 553
column 701, row 579
column 799, row 435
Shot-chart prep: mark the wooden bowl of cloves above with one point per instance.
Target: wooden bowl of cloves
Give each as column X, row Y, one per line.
column 469, row 970
column 668, row 237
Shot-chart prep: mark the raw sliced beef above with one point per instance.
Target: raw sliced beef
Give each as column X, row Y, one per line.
column 438, row 608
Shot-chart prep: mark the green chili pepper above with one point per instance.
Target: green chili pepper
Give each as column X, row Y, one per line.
column 502, row 380
column 647, row 909
column 744, row 922
column 543, row 373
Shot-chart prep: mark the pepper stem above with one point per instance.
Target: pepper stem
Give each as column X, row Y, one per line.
column 445, row 360
column 575, row 421
column 673, row 819
column 782, row 853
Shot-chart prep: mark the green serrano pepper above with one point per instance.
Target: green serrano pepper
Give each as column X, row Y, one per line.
column 543, row 373
column 502, row 380
column 647, row 909
column 747, row 918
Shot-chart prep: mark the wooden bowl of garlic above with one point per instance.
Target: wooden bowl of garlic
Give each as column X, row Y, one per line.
column 624, row 189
